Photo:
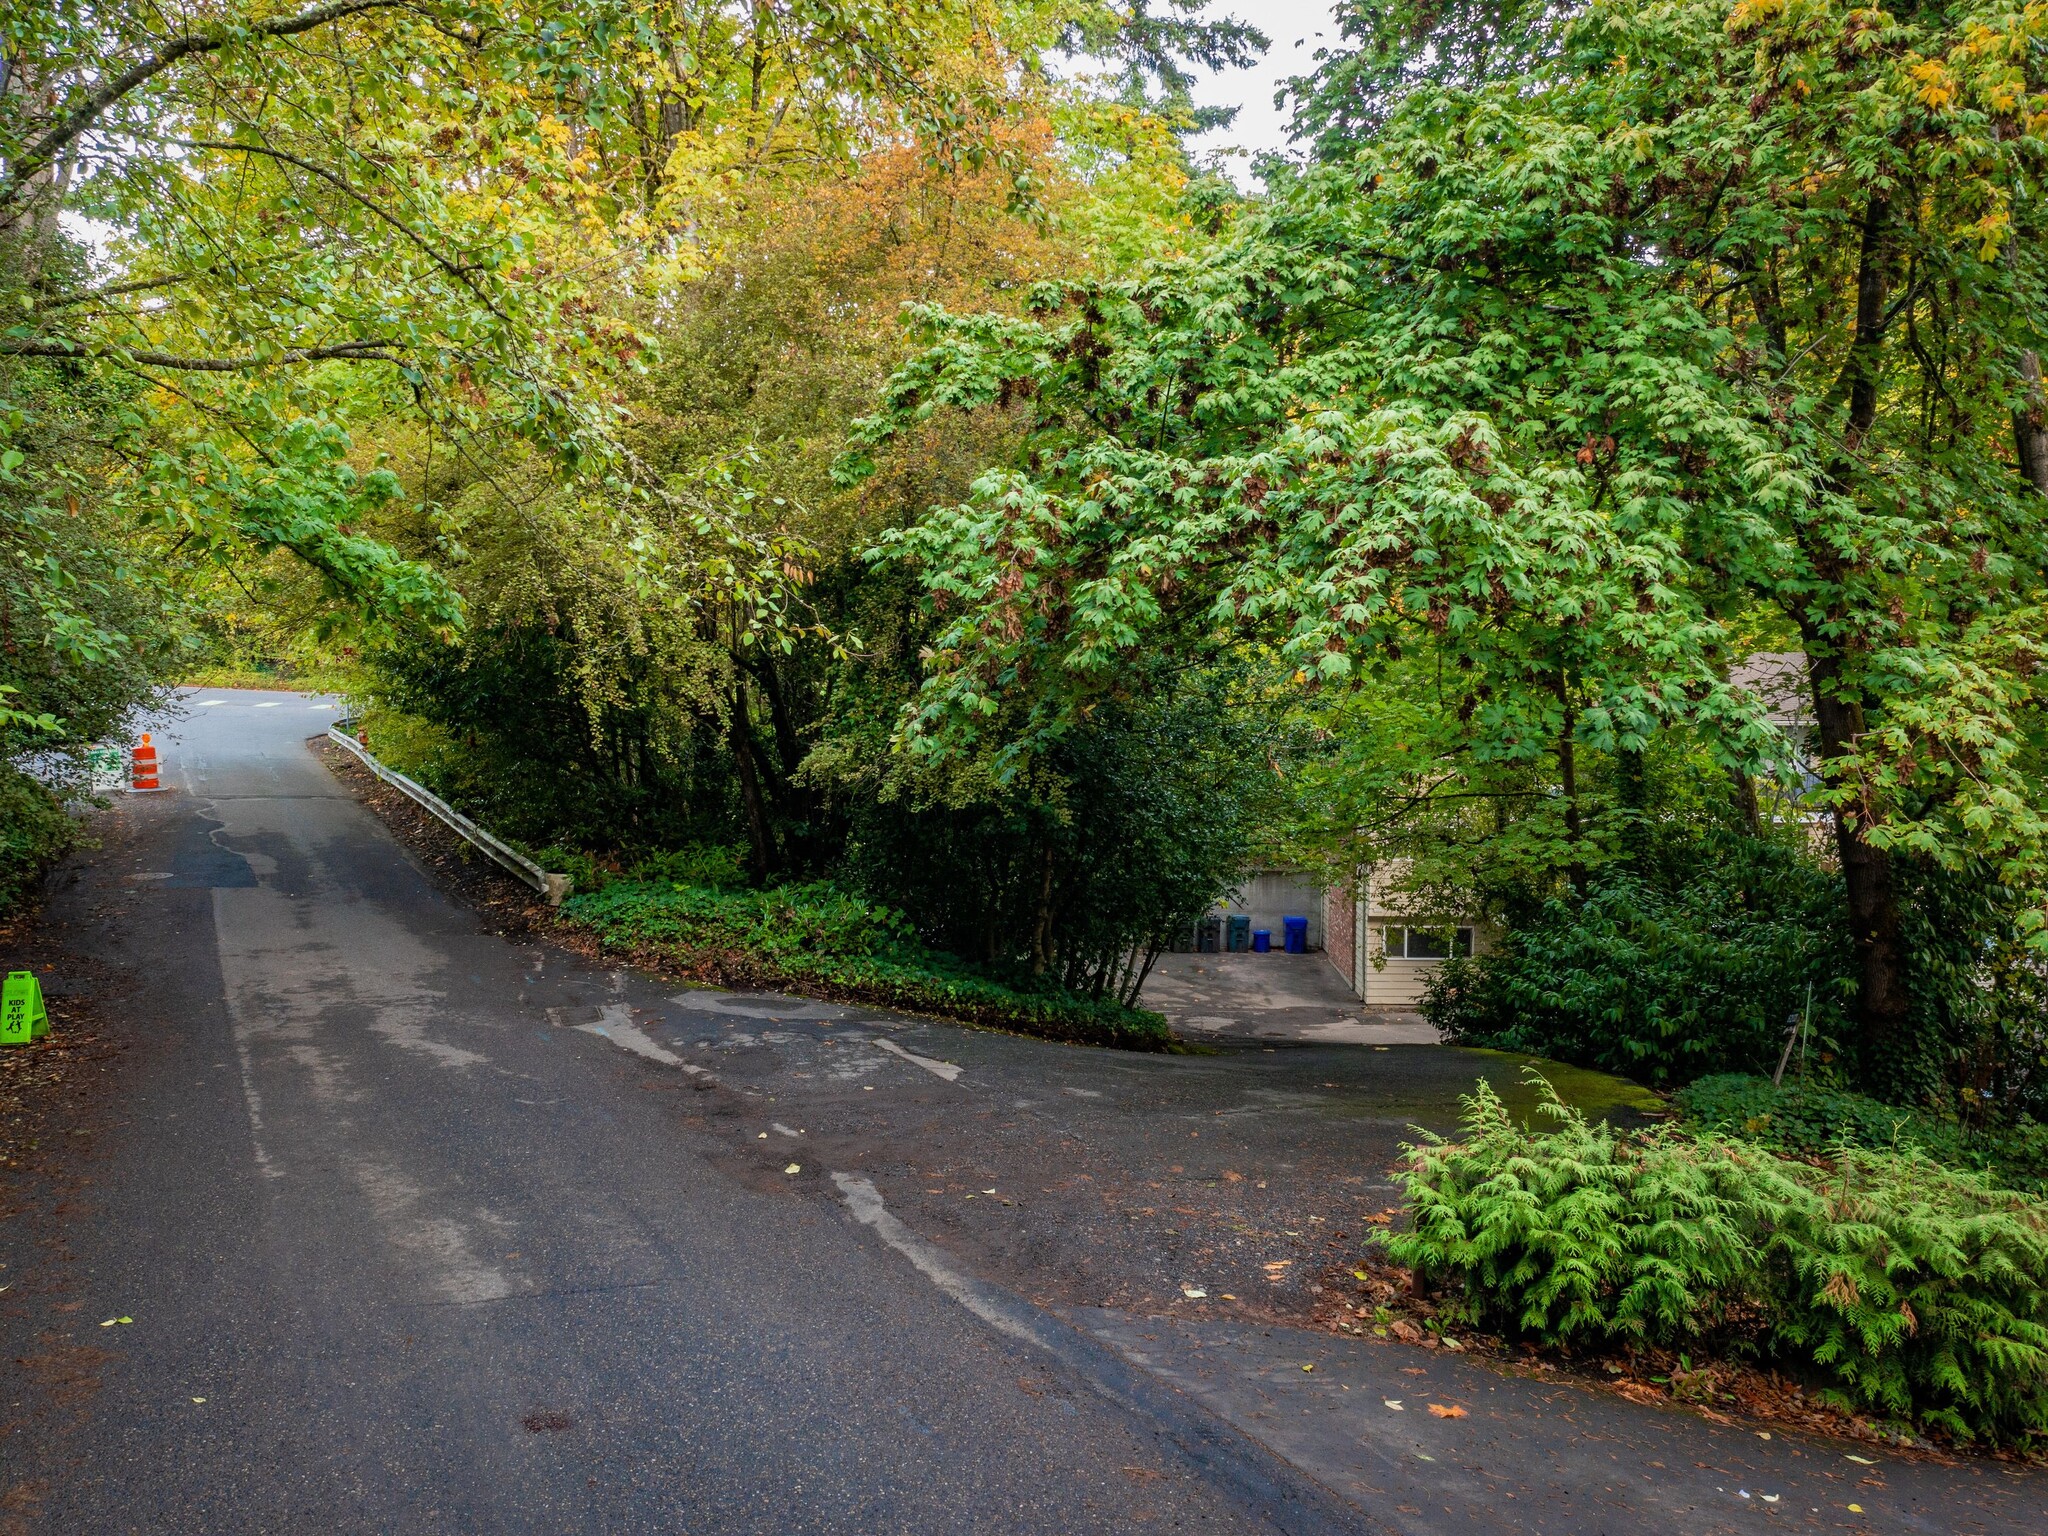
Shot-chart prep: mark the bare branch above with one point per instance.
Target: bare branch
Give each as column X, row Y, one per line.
column 347, row 351
column 40, row 155
column 115, row 290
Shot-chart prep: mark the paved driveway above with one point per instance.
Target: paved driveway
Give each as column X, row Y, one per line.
column 1273, row 997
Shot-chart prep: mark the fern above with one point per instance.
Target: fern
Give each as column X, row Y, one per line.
column 1912, row 1289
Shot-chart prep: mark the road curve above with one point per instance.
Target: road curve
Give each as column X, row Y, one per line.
column 405, row 1250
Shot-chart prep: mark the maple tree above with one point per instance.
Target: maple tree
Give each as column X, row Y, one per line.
column 1696, row 329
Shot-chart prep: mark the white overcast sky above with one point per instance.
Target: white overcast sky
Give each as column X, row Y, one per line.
column 1297, row 28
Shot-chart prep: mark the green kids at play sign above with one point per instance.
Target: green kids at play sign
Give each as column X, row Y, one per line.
column 22, row 1015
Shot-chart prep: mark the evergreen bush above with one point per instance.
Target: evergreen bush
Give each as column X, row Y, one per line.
column 1901, row 1286
column 1660, row 980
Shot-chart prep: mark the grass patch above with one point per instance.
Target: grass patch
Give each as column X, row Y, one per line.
column 817, row 937
column 1597, row 1095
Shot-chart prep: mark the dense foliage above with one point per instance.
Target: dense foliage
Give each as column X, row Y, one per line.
column 1806, row 1118
column 1583, row 367
column 1663, row 982
column 1907, row 1288
column 34, row 830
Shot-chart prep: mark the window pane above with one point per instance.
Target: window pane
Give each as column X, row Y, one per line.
column 1464, row 945
column 1428, row 944
column 1396, row 943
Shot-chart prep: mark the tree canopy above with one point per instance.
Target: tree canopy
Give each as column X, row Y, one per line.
column 1653, row 336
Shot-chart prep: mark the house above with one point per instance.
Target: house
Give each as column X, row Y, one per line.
column 1383, row 947
column 1384, row 950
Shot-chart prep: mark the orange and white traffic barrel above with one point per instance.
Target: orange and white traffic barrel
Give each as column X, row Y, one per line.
column 142, row 767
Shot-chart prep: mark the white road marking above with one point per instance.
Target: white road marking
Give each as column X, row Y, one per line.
column 945, row 1069
column 615, row 1023
column 1082, row 1093
column 269, row 704
column 777, row 1125
column 761, row 1007
column 253, row 1098
column 204, row 702
column 863, row 1201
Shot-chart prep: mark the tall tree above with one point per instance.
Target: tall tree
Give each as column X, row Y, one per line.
column 1707, row 321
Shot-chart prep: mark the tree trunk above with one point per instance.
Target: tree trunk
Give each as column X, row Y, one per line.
column 1745, row 802
column 1568, row 778
column 2030, row 427
column 787, row 745
column 1881, row 1003
column 1041, row 927
column 1875, row 929
column 739, row 733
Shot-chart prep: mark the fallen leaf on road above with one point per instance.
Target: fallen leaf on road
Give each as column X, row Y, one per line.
column 1861, row 1461
column 1395, row 1404
column 1308, row 1367
column 988, row 1191
column 113, row 1320
column 1228, row 1297
column 1233, row 1178
column 794, row 1168
column 1763, row 1434
column 1194, row 1293
column 1413, row 1370
column 1447, row 1410
column 198, row 1399
column 1855, row 1509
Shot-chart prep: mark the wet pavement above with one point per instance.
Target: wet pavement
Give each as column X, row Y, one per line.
column 424, row 1227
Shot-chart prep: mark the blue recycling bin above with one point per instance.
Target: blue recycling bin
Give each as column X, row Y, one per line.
column 1262, row 941
column 1296, row 930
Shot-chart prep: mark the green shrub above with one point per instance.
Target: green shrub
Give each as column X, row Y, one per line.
column 1660, row 984
column 1904, row 1287
column 819, row 935
column 1582, row 1233
column 1813, row 1119
column 1921, row 1290
column 34, row 833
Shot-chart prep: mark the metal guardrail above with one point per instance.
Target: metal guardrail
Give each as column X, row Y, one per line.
column 552, row 887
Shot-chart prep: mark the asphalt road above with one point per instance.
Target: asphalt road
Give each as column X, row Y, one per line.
column 424, row 1228
column 404, row 1250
